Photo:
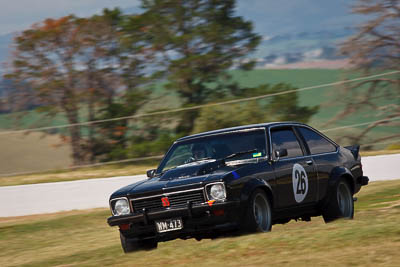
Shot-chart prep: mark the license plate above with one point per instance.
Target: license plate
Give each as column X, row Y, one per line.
column 169, row 225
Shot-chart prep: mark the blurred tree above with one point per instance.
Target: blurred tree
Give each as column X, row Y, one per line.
column 69, row 62
column 112, row 141
column 99, row 53
column 198, row 41
column 114, row 73
column 276, row 108
column 375, row 48
column 46, row 59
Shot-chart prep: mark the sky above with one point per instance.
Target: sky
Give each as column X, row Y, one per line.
column 17, row 15
column 294, row 16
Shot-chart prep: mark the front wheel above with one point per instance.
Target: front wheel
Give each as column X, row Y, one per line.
column 341, row 204
column 129, row 245
column 258, row 216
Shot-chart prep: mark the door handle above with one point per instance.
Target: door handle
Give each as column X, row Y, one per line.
column 309, row 162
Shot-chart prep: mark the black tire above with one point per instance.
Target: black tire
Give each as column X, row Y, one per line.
column 129, row 245
column 148, row 244
column 259, row 214
column 341, row 203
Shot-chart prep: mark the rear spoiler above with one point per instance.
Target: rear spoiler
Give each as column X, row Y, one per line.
column 355, row 150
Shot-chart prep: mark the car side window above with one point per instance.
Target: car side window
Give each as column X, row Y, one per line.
column 316, row 143
column 285, row 138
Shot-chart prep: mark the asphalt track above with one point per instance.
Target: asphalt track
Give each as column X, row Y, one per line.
column 94, row 193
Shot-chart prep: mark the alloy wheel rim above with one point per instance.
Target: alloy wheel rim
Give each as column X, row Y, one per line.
column 344, row 200
column 261, row 212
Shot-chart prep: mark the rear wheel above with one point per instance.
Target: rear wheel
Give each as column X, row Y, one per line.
column 259, row 216
column 341, row 204
column 129, row 245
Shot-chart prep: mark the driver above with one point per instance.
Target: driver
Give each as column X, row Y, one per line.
column 199, row 151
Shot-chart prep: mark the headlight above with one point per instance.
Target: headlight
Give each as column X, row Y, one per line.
column 216, row 191
column 120, row 206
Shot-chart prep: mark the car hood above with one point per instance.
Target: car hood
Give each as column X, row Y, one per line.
column 183, row 177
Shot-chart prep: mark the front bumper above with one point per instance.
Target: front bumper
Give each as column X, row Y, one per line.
column 189, row 211
column 362, row 180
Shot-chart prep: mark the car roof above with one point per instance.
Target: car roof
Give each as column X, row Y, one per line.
column 238, row 128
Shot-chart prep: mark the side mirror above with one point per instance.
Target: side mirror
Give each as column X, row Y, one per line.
column 280, row 153
column 150, row 173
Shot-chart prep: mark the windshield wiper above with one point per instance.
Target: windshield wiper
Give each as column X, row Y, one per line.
column 234, row 155
column 164, row 171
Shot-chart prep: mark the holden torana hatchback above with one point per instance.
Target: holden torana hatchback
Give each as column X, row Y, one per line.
column 241, row 179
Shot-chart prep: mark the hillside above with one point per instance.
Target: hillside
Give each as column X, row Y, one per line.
column 18, row 148
column 32, row 152
column 5, row 45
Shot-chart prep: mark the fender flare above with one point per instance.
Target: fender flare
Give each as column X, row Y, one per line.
column 336, row 174
column 254, row 184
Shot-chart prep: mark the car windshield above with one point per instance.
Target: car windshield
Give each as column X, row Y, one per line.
column 216, row 147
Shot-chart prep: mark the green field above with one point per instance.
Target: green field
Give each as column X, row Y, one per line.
column 22, row 153
column 82, row 238
column 327, row 97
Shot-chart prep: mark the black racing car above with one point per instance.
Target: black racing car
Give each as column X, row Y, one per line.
column 240, row 179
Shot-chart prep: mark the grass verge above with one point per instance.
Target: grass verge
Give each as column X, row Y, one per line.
column 82, row 238
column 77, row 174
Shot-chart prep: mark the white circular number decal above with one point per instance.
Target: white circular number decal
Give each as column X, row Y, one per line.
column 300, row 182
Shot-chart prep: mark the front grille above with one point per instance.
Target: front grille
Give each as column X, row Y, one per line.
column 176, row 200
column 149, row 204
